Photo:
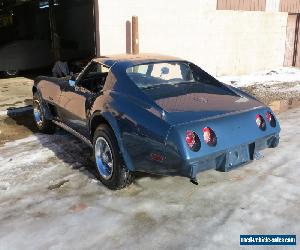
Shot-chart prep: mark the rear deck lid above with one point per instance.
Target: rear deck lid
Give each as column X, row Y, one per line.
column 189, row 102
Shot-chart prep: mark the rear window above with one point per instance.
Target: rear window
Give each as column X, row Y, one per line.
column 151, row 75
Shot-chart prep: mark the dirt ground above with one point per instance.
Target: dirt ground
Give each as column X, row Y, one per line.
column 16, row 127
column 15, row 92
column 272, row 93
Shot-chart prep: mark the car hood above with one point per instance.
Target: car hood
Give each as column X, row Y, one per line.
column 202, row 103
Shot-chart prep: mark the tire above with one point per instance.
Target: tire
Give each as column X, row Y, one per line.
column 42, row 124
column 111, row 170
column 11, row 73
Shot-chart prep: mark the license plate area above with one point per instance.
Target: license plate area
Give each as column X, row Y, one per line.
column 237, row 156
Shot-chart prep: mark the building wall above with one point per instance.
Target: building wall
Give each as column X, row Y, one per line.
column 220, row 41
column 291, row 6
column 248, row 5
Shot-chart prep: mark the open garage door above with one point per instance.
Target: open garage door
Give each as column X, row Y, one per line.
column 28, row 28
column 75, row 25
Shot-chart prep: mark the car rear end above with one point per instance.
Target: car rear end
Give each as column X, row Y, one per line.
column 221, row 142
column 211, row 125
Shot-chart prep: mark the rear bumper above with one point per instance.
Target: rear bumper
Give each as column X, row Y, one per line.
column 221, row 160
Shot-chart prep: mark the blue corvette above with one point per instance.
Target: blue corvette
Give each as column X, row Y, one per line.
column 154, row 114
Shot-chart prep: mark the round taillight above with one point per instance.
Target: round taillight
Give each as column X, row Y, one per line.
column 271, row 119
column 192, row 140
column 209, row 136
column 260, row 122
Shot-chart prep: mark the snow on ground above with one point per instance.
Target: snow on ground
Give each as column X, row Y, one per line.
column 269, row 86
column 49, row 199
column 269, row 77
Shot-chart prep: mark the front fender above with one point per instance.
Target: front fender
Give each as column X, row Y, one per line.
column 44, row 106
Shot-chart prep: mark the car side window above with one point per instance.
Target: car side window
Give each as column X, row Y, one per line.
column 94, row 77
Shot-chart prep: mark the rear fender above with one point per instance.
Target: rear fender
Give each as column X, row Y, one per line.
column 114, row 125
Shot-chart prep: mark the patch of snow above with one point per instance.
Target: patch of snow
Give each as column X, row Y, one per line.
column 50, row 200
column 266, row 77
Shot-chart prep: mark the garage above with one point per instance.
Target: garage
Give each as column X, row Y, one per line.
column 36, row 33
